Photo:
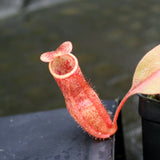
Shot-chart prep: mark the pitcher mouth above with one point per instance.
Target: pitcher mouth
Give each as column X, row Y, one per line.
column 63, row 65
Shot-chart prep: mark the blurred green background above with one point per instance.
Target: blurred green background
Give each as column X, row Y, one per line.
column 109, row 38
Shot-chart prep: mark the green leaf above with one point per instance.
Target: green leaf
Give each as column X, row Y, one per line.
column 146, row 79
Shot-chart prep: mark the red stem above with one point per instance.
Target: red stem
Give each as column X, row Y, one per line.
column 121, row 105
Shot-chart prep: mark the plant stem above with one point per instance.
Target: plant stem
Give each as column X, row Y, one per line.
column 120, row 106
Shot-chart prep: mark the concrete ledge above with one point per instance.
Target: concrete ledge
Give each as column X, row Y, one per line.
column 50, row 135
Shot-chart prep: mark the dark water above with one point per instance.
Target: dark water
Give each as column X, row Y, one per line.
column 109, row 38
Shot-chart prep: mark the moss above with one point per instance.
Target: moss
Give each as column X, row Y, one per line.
column 156, row 96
